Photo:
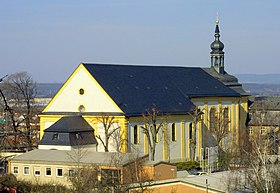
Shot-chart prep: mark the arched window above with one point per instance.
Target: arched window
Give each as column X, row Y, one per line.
column 190, row 131
column 173, row 132
column 135, row 135
column 226, row 118
column 212, row 118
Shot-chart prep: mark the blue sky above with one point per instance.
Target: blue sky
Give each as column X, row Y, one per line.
column 49, row 38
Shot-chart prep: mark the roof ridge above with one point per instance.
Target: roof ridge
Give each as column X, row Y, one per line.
column 140, row 65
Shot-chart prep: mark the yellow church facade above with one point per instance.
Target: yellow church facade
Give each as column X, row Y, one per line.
column 82, row 94
column 123, row 93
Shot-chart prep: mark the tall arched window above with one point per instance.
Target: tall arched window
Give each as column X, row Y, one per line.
column 135, row 135
column 212, row 118
column 173, row 132
column 226, row 118
column 190, row 131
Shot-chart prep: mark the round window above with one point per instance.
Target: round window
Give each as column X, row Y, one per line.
column 82, row 108
column 82, row 91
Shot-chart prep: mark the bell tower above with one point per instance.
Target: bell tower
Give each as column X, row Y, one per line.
column 217, row 54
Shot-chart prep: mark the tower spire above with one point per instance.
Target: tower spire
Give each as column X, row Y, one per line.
column 217, row 31
column 217, row 54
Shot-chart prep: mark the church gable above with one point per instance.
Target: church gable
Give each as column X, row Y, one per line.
column 82, row 93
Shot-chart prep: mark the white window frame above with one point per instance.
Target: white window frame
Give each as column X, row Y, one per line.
column 57, row 172
column 46, row 171
column 37, row 169
column 14, row 170
column 262, row 131
column 71, row 173
column 26, row 174
column 250, row 131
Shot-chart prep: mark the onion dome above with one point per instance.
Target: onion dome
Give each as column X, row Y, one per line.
column 217, row 46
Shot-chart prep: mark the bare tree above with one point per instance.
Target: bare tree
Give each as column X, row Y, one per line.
column 111, row 131
column 11, row 115
column 259, row 166
column 85, row 179
column 82, row 176
column 167, row 138
column 124, row 174
column 267, row 123
column 18, row 92
column 258, row 172
column 137, row 177
column 119, row 173
column 219, row 128
column 196, row 115
column 151, row 129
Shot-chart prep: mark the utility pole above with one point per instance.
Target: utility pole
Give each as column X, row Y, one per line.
column 207, row 185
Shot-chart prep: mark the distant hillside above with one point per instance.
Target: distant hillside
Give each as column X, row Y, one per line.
column 259, row 78
column 47, row 90
column 262, row 89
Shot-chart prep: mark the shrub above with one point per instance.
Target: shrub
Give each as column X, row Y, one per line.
column 8, row 180
column 188, row 165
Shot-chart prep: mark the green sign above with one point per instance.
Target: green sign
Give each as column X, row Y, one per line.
column 2, row 120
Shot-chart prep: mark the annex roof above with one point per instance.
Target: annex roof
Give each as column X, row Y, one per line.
column 69, row 124
column 136, row 88
column 71, row 156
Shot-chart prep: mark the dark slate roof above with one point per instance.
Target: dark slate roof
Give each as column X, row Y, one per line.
column 136, row 88
column 228, row 79
column 69, row 131
column 69, row 124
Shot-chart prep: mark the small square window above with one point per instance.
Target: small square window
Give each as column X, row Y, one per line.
column 250, row 131
column 48, row 171
column 26, row 170
column 71, row 173
column 15, row 169
column 37, row 172
column 78, row 135
column 262, row 131
column 109, row 176
column 55, row 136
column 59, row 172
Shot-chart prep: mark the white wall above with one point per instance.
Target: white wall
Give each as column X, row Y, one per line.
column 94, row 98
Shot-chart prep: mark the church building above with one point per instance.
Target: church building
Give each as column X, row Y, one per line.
column 121, row 94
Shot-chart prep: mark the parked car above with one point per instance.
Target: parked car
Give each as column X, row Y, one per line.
column 200, row 173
